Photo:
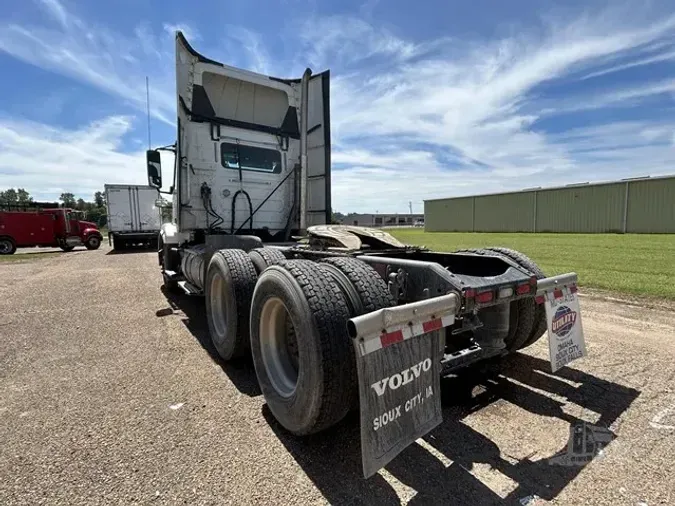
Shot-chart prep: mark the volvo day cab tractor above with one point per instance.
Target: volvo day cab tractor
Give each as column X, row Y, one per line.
column 50, row 228
column 335, row 317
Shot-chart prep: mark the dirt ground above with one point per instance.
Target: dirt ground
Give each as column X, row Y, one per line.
column 110, row 393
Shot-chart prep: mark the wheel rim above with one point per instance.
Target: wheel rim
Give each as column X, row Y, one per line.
column 217, row 299
column 278, row 346
column 5, row 246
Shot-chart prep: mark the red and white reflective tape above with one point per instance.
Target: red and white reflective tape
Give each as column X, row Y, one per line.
column 556, row 293
column 401, row 333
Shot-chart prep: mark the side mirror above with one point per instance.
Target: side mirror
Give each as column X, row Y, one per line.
column 154, row 167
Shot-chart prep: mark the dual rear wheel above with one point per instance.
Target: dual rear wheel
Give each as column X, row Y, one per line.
column 291, row 316
column 527, row 319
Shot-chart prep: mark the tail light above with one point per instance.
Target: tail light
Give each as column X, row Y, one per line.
column 483, row 297
column 523, row 288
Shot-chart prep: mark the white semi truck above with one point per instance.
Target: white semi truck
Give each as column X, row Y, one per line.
column 335, row 317
column 133, row 215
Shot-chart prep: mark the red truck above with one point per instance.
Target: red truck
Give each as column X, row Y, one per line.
column 46, row 228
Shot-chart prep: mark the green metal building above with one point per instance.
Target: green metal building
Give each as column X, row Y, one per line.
column 638, row 206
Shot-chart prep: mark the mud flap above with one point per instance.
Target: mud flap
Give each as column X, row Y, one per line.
column 565, row 332
column 399, row 393
column 560, row 297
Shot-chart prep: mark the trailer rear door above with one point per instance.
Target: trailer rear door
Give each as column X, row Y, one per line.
column 147, row 213
column 120, row 212
column 132, row 208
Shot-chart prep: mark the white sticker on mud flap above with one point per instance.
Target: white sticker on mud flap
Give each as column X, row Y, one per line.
column 565, row 332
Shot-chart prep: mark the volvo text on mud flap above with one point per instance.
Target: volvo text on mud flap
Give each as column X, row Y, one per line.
column 398, row 356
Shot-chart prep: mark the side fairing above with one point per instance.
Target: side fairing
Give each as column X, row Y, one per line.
column 318, row 151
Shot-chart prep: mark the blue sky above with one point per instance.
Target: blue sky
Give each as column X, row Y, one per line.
column 429, row 98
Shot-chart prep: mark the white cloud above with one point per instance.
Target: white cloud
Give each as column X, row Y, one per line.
column 94, row 56
column 250, row 46
column 114, row 62
column 412, row 119
column 56, row 10
column 662, row 57
column 189, row 32
column 617, row 98
column 48, row 161
column 481, row 101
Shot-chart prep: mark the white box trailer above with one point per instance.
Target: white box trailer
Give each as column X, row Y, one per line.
column 133, row 216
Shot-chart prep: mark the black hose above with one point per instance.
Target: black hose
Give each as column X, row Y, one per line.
column 250, row 218
column 250, row 208
column 208, row 207
column 220, row 220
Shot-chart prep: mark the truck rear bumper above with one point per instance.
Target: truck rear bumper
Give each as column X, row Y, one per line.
column 135, row 235
column 399, row 354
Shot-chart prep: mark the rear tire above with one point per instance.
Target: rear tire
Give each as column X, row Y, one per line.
column 228, row 289
column 364, row 289
column 539, row 324
column 7, row 246
column 67, row 249
column 302, row 354
column 262, row 258
column 521, row 312
column 371, row 289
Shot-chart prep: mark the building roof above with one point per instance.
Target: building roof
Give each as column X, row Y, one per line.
column 585, row 184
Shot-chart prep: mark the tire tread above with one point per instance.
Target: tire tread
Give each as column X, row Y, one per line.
column 244, row 278
column 330, row 312
column 539, row 325
column 266, row 257
column 523, row 320
column 370, row 286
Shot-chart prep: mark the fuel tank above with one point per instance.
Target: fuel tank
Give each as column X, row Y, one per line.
column 192, row 265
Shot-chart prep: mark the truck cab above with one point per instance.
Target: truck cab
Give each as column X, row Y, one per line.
column 71, row 231
column 247, row 151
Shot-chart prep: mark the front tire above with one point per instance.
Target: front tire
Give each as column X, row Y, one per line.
column 93, row 242
column 228, row 289
column 302, row 354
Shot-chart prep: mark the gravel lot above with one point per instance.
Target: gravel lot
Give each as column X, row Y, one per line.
column 110, row 393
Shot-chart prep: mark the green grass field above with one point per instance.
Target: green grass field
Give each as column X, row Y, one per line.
column 631, row 263
column 28, row 257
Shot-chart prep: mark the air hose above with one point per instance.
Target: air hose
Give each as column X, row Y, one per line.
column 250, row 208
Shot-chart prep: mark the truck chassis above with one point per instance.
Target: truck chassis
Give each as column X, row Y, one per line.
column 340, row 297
